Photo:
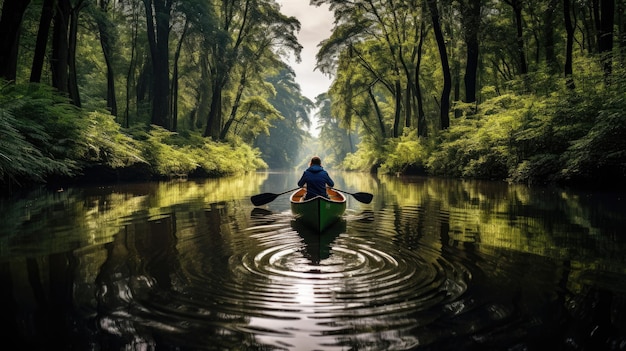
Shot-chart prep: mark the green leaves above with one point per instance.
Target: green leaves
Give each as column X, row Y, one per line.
column 37, row 131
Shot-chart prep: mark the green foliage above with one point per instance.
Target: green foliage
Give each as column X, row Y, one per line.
column 37, row 133
column 364, row 158
column 564, row 136
column 601, row 152
column 405, row 153
column 222, row 158
column 103, row 142
column 42, row 136
column 479, row 146
column 166, row 160
column 171, row 155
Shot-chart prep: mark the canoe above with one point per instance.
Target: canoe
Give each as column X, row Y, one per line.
column 319, row 212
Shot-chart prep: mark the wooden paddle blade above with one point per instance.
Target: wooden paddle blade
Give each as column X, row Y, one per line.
column 262, row 199
column 365, row 198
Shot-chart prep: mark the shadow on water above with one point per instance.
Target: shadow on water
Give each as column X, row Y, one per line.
column 318, row 245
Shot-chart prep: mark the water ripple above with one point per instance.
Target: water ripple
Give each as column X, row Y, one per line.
column 340, row 285
column 288, row 287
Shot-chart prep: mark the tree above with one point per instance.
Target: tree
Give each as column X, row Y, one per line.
column 158, row 14
column 516, row 5
column 604, row 16
column 470, row 14
column 289, row 130
column 107, row 32
column 60, row 46
column 47, row 12
column 246, row 30
column 569, row 28
column 384, row 38
column 445, row 66
column 10, row 29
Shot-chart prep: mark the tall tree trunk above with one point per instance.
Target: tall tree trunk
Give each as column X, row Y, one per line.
column 10, row 25
column 398, row 109
column 72, row 83
column 548, row 35
column 106, row 42
column 174, row 87
column 408, row 99
column 236, row 103
column 422, row 129
column 158, row 38
column 471, row 24
column 621, row 29
column 604, row 12
column 456, row 84
column 132, row 64
column 586, row 15
column 214, row 121
column 47, row 11
column 60, row 46
column 203, row 94
column 569, row 29
column 445, row 66
column 379, row 116
column 521, row 52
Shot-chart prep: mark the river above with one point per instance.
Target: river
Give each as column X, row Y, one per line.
column 429, row 264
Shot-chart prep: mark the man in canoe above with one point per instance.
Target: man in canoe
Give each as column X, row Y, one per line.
column 315, row 178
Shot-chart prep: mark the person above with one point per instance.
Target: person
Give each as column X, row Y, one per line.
column 316, row 179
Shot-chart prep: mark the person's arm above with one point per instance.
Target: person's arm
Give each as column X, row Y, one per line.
column 329, row 181
column 302, row 181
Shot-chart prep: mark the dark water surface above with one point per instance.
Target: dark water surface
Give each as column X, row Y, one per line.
column 430, row 264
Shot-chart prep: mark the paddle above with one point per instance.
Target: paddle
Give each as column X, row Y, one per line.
column 365, row 198
column 262, row 199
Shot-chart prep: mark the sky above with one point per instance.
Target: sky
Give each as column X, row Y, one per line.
column 316, row 24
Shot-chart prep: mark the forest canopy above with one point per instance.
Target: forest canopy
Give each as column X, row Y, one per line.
column 529, row 91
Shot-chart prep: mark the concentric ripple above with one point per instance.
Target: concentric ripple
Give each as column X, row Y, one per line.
column 297, row 283
column 285, row 285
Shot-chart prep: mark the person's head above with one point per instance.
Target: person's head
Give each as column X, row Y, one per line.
column 316, row 161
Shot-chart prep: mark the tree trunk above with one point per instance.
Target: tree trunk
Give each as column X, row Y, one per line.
column 174, row 87
column 398, row 109
column 445, row 66
column 421, row 115
column 548, row 36
column 621, row 35
column 214, row 121
column 408, row 99
column 10, row 25
column 72, row 83
column 472, row 24
column 381, row 123
column 203, row 95
column 236, row 104
column 569, row 29
column 39, row 56
column 132, row 64
column 604, row 12
column 517, row 11
column 106, row 42
column 158, row 38
column 60, row 46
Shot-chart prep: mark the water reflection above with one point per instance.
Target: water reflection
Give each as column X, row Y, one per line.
column 431, row 264
column 317, row 245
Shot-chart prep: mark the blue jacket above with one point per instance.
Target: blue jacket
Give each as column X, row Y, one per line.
column 316, row 179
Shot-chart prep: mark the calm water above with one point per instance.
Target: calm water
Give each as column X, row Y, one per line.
column 430, row 264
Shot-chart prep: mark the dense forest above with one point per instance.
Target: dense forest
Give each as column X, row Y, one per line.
column 528, row 91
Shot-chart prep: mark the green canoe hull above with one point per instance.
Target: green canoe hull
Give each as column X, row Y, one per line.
column 318, row 213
